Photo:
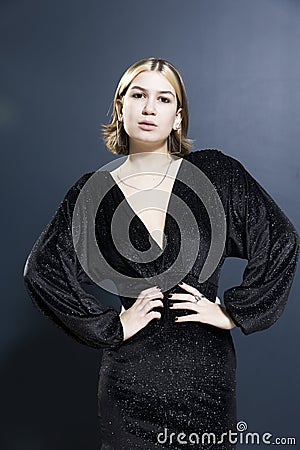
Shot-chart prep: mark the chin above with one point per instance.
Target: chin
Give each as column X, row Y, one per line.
column 147, row 140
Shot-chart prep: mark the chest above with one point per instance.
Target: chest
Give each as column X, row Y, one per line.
column 152, row 211
column 150, row 205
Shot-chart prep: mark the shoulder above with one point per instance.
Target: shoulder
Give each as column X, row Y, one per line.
column 214, row 156
column 217, row 163
column 80, row 182
column 71, row 196
column 76, row 187
column 91, row 187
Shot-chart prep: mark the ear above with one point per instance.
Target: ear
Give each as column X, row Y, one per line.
column 119, row 106
column 178, row 119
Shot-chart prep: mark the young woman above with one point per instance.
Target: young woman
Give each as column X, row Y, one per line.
column 167, row 377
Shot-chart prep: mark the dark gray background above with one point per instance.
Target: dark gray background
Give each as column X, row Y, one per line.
column 60, row 63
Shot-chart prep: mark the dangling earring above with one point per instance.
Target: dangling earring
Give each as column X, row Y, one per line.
column 117, row 133
column 169, row 144
column 179, row 140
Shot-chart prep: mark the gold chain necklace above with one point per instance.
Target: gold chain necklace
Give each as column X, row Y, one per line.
column 148, row 189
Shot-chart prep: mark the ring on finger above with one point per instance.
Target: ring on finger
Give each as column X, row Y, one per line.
column 198, row 297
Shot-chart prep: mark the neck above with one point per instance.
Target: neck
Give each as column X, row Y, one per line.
column 148, row 147
column 148, row 156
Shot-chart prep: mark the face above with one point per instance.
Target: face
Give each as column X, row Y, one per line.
column 149, row 111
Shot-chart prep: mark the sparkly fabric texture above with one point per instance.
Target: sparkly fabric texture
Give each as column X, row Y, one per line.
column 177, row 379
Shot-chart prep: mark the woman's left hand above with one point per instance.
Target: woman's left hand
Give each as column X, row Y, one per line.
column 205, row 310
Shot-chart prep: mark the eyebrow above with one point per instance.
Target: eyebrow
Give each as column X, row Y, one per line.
column 145, row 90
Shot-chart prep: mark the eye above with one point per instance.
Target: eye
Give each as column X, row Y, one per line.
column 165, row 99
column 137, row 95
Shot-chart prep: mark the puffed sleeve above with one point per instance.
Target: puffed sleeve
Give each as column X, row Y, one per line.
column 258, row 231
column 53, row 278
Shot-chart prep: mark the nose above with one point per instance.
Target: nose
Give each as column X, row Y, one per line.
column 149, row 107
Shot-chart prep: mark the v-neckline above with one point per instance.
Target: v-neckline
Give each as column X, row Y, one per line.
column 133, row 213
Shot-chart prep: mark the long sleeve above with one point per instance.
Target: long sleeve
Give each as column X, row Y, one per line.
column 259, row 232
column 53, row 277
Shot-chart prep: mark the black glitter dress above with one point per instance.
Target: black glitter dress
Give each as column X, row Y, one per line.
column 171, row 382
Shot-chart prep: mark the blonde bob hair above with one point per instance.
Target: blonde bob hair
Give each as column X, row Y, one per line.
column 114, row 135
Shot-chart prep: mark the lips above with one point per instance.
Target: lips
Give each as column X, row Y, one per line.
column 147, row 125
column 147, row 122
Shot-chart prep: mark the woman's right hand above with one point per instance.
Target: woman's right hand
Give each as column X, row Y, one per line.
column 140, row 313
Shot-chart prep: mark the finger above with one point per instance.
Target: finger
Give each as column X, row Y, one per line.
column 186, row 305
column 184, row 297
column 153, row 315
column 143, row 304
column 151, row 304
column 189, row 318
column 154, row 294
column 189, row 288
column 150, row 289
